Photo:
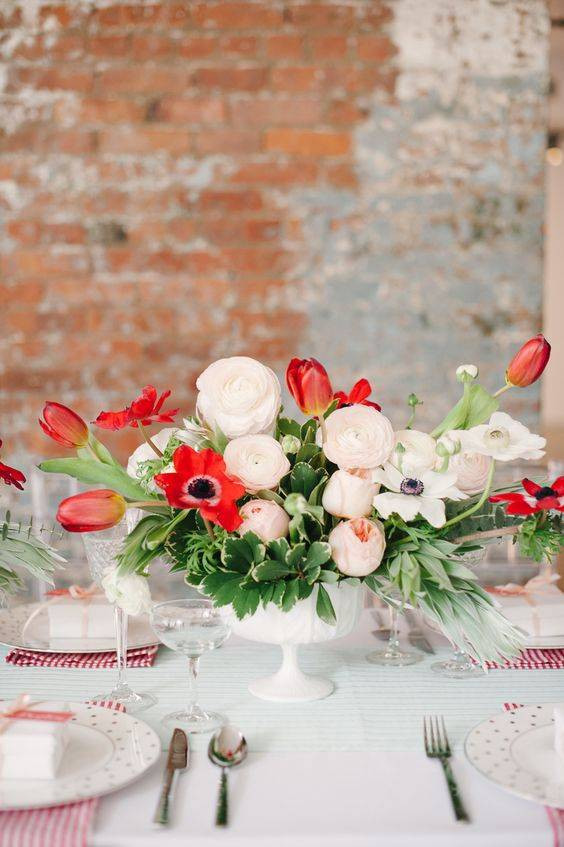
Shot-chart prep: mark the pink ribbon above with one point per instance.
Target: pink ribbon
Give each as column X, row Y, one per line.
column 536, row 585
column 77, row 592
column 20, row 710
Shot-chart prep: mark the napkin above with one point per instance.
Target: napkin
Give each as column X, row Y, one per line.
column 559, row 729
column 91, row 617
column 537, row 610
column 33, row 748
column 137, row 657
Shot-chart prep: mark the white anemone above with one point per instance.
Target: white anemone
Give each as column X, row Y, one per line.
column 409, row 497
column 504, row 439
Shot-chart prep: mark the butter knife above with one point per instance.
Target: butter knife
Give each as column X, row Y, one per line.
column 177, row 762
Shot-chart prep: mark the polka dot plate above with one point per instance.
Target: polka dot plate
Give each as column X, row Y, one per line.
column 515, row 750
column 107, row 750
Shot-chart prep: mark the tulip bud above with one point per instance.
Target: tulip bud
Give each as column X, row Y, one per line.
column 529, row 362
column 63, row 425
column 309, row 385
column 91, row 511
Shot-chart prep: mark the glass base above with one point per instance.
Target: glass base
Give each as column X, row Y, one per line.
column 129, row 699
column 394, row 658
column 455, row 669
column 195, row 720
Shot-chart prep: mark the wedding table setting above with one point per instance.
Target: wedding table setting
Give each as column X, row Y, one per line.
column 335, row 670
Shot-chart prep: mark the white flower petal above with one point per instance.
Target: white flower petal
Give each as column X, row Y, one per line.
column 432, row 510
column 405, row 505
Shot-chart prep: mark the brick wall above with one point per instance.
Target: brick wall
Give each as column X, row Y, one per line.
column 182, row 181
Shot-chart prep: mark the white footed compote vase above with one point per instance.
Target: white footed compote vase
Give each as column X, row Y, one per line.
column 102, row 549
column 301, row 625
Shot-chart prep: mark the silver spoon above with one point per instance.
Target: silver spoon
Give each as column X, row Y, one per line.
column 226, row 749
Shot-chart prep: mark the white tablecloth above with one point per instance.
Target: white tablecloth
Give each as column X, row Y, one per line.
column 348, row 770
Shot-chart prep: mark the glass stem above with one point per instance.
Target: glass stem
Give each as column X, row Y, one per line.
column 393, row 642
column 193, row 663
column 121, row 646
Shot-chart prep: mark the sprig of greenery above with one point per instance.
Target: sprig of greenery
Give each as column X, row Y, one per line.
column 540, row 537
column 147, row 469
column 23, row 548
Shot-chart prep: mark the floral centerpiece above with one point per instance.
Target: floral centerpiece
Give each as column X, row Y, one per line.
column 259, row 510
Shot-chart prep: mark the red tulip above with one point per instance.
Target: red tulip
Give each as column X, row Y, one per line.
column 145, row 410
column 358, row 394
column 91, row 511
column 200, row 482
column 529, row 362
column 309, row 385
column 11, row 476
column 63, row 425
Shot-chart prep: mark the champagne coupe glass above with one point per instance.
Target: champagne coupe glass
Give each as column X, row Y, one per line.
column 101, row 551
column 191, row 627
column 393, row 656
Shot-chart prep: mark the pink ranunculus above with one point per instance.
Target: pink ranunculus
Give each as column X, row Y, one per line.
column 265, row 518
column 357, row 546
column 348, row 495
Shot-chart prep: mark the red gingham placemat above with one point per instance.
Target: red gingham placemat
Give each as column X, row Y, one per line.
column 57, row 826
column 555, row 816
column 532, row 660
column 140, row 657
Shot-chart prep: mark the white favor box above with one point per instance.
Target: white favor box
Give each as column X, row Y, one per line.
column 544, row 618
column 90, row 618
column 31, row 749
column 559, row 729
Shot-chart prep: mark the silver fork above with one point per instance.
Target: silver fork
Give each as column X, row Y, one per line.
column 438, row 747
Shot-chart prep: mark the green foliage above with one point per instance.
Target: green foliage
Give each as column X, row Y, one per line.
column 99, row 473
column 150, row 467
column 474, row 407
column 21, row 549
column 540, row 537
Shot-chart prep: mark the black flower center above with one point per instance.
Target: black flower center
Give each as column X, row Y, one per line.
column 411, row 486
column 201, row 488
column 546, row 491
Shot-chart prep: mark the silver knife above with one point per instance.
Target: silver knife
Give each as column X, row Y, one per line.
column 176, row 762
column 415, row 636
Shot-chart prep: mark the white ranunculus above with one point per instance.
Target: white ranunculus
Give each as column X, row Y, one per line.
column 471, row 471
column 419, row 455
column 412, row 496
column 265, row 518
column 130, row 592
column 239, row 396
column 358, row 437
column 145, row 452
column 504, row 439
column 357, row 546
column 347, row 495
column 258, row 461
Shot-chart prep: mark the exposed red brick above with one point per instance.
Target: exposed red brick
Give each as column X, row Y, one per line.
column 278, row 174
column 374, row 48
column 152, row 47
column 297, row 78
column 278, row 111
column 232, row 79
column 231, row 141
column 285, row 46
column 306, row 143
column 146, row 80
column 108, row 46
column 329, row 46
column 196, row 46
column 230, row 201
column 195, row 110
column 145, row 140
column 237, row 15
column 108, row 111
column 239, row 45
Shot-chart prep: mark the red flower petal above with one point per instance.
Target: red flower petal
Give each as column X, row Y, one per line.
column 63, row 425
column 11, row 476
column 530, row 486
column 558, row 486
column 360, row 391
column 91, row 511
column 112, row 420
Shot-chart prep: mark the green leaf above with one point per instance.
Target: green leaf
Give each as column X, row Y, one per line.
column 474, row 407
column 223, row 587
column 328, row 576
column 309, row 430
column 265, row 494
column 240, row 554
column 312, row 574
column 306, row 452
column 304, row 589
column 291, row 592
column 295, row 555
column 324, row 606
column 287, row 426
column 318, row 554
column 98, row 473
column 245, row 601
column 278, row 593
column 278, row 549
column 303, row 479
column 269, row 570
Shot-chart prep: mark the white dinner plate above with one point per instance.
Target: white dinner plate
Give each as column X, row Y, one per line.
column 12, row 622
column 544, row 642
column 516, row 751
column 107, row 750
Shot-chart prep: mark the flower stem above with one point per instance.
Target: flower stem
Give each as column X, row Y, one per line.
column 209, row 527
column 477, row 505
column 490, row 533
column 149, row 441
column 506, row 387
column 323, row 426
